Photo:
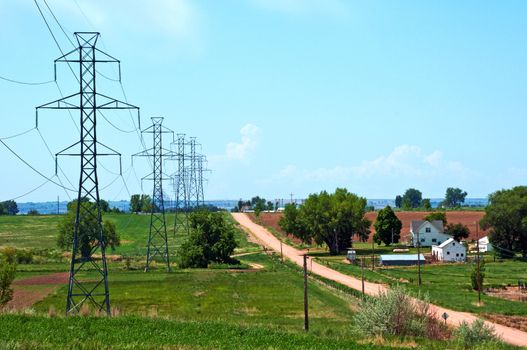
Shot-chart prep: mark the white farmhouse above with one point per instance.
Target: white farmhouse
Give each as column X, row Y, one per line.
column 449, row 251
column 430, row 232
column 485, row 245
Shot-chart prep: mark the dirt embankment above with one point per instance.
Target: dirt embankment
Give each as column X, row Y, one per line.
column 467, row 218
column 28, row 291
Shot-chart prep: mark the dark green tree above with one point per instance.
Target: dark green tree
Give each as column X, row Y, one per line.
column 105, row 206
column 425, row 203
column 88, row 231
column 413, row 198
column 135, row 203
column 398, row 201
column 211, row 240
column 457, row 231
column 477, row 284
column 387, row 227
column 506, row 217
column 331, row 219
column 146, row 203
column 454, row 197
column 9, row 207
column 437, row 215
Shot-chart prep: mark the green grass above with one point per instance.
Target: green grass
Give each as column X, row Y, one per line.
column 25, row 332
column 448, row 285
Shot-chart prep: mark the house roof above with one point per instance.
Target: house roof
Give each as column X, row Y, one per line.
column 402, row 257
column 417, row 224
column 447, row 242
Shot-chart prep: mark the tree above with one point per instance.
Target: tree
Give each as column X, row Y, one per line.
column 8, row 208
column 454, row 197
column 270, row 206
column 146, row 203
column 135, row 203
column 457, row 231
column 506, row 217
column 33, row 212
column 436, row 216
column 477, row 285
column 426, row 204
column 387, row 227
column 88, row 235
column 211, row 240
column 398, row 201
column 7, row 275
column 329, row 218
column 105, row 206
column 412, row 197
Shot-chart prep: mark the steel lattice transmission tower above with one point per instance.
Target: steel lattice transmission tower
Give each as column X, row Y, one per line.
column 88, row 229
column 192, row 171
column 157, row 238
column 201, row 169
column 180, row 183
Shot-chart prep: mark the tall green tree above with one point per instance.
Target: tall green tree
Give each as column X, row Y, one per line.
column 146, row 203
column 329, row 218
column 425, row 203
column 9, row 208
column 211, row 240
column 506, row 217
column 457, row 231
column 387, row 227
column 135, row 203
column 398, row 201
column 88, row 235
column 437, row 215
column 412, row 198
column 7, row 275
column 454, row 197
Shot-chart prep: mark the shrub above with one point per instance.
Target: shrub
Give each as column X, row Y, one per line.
column 210, row 241
column 395, row 313
column 467, row 336
column 7, row 275
column 9, row 254
column 24, row 256
column 474, row 276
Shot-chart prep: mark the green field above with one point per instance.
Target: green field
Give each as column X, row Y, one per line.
column 257, row 307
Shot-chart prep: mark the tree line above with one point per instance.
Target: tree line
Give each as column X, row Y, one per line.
column 413, row 198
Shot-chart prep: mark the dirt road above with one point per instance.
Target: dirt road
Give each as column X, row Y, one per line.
column 509, row 335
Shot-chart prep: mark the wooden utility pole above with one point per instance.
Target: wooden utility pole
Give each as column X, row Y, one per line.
column 372, row 254
column 478, row 264
column 418, row 260
column 362, row 275
column 281, row 253
column 306, row 313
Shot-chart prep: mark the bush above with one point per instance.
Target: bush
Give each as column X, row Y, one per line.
column 7, row 275
column 474, row 276
column 24, row 256
column 210, row 241
column 478, row 333
column 9, row 254
column 394, row 313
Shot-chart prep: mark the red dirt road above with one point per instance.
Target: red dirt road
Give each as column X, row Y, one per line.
column 509, row 335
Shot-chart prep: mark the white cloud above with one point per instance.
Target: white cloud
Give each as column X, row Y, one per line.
column 303, row 7
column 242, row 150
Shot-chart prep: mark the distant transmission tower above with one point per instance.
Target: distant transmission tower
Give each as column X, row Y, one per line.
column 157, row 238
column 88, row 239
column 192, row 171
column 181, row 207
column 201, row 169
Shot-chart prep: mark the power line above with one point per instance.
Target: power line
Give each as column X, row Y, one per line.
column 32, row 168
column 26, row 82
column 60, row 26
column 31, row 191
column 17, row 135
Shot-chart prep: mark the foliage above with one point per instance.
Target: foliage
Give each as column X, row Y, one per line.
column 393, row 313
column 457, row 231
column 506, row 216
column 436, row 216
column 329, row 218
column 211, row 240
column 9, row 254
column 8, row 208
column 477, row 285
column 425, row 203
column 468, row 336
column 7, row 275
column 140, row 203
column 33, row 212
column 135, row 203
column 412, row 198
column 387, row 227
column 88, row 234
column 398, row 201
column 454, row 197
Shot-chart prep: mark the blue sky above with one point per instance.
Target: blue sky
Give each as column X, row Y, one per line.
column 286, row 95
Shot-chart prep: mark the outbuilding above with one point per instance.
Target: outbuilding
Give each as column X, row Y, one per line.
column 485, row 245
column 449, row 251
column 401, row 259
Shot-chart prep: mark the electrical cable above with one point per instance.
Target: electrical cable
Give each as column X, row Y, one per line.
column 26, row 82
column 17, row 135
column 32, row 168
column 53, row 157
column 31, row 191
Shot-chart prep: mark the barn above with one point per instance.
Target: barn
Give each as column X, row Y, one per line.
column 401, row 259
column 449, row 251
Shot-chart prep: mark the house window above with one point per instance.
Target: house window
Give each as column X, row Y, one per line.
column 461, row 254
column 422, row 240
column 457, row 254
column 453, row 244
column 428, row 230
column 434, row 240
column 447, row 253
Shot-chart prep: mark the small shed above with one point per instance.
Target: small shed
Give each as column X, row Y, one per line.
column 485, row 245
column 401, row 259
column 450, row 251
